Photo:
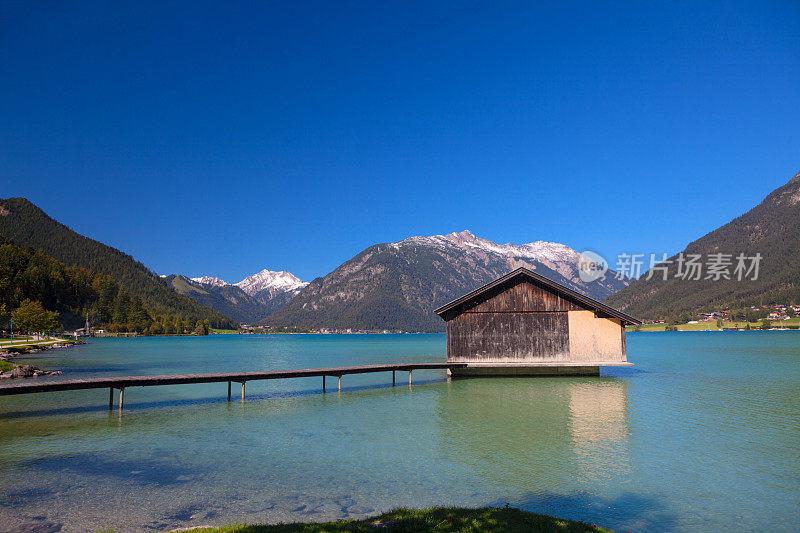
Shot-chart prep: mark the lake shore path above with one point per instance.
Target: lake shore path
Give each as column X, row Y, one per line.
column 44, row 341
column 120, row 383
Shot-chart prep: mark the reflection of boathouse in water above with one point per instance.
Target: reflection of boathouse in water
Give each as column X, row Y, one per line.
column 526, row 324
column 525, row 434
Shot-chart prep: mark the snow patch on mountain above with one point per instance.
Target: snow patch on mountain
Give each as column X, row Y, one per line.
column 209, row 280
column 556, row 256
column 280, row 281
column 539, row 250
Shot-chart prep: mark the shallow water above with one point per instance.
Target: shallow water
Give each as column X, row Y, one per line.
column 702, row 434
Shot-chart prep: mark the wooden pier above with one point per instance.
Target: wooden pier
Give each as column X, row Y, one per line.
column 121, row 383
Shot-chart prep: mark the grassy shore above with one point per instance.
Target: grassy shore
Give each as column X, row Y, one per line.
column 702, row 326
column 440, row 520
column 8, row 351
column 35, row 342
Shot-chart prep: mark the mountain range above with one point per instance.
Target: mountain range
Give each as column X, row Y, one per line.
column 398, row 285
column 771, row 229
column 248, row 301
column 392, row 286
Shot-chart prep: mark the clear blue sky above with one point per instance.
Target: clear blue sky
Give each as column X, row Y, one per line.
column 222, row 138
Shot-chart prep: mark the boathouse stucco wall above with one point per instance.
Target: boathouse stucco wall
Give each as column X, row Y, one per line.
column 595, row 339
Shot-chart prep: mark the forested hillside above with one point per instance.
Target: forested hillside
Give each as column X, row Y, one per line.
column 771, row 229
column 28, row 226
column 73, row 292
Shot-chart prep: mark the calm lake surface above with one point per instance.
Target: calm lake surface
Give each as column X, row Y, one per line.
column 703, row 434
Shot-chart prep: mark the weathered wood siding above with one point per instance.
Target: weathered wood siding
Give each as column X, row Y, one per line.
column 525, row 322
column 491, row 337
column 516, row 323
column 522, row 297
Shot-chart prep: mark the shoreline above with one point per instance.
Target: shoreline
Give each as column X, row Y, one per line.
column 12, row 370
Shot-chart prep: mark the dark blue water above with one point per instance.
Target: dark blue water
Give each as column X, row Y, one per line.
column 703, row 434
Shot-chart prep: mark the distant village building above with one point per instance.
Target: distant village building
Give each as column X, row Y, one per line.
column 526, row 324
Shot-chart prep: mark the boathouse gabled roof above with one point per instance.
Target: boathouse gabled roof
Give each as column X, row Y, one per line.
column 557, row 288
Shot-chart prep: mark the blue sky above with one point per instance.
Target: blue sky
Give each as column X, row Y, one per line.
column 222, row 138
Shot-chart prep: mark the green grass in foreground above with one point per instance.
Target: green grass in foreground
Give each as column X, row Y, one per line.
column 6, row 366
column 438, row 519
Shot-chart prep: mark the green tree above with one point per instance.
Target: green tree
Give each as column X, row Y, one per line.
column 200, row 328
column 5, row 315
column 51, row 321
column 122, row 307
column 31, row 316
column 138, row 319
column 766, row 324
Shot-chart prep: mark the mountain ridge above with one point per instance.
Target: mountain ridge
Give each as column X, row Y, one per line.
column 270, row 280
column 27, row 225
column 771, row 229
column 250, row 300
column 398, row 285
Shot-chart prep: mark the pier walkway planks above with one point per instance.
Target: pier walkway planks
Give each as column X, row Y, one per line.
column 121, row 383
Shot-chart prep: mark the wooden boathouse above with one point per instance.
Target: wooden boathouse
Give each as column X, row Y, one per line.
column 524, row 324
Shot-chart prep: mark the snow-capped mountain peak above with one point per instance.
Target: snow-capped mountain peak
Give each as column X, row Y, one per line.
column 558, row 257
column 209, row 280
column 552, row 251
column 466, row 240
column 280, row 281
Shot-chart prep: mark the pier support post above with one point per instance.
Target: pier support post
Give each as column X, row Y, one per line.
column 121, row 395
column 392, row 378
column 340, row 383
column 111, row 398
column 323, row 384
column 229, row 391
column 409, row 377
column 243, row 390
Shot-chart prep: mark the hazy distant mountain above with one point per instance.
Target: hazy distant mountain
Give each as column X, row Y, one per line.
column 398, row 285
column 27, row 225
column 772, row 229
column 248, row 301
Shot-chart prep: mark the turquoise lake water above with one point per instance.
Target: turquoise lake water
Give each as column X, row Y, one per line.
column 703, row 434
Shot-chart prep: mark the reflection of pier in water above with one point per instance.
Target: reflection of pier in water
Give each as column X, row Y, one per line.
column 521, row 435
